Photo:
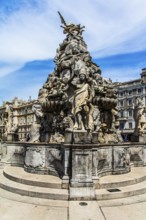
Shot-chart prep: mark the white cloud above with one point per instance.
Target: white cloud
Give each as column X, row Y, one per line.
column 27, row 36
column 111, row 27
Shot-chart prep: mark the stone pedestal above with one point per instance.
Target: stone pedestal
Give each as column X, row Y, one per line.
column 82, row 137
column 81, row 166
column 68, row 139
column 95, row 137
column 12, row 137
column 9, row 137
column 139, row 138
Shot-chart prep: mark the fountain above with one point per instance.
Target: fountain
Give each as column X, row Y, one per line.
column 75, row 134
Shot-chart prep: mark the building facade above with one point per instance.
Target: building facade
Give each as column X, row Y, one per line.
column 128, row 92
column 21, row 115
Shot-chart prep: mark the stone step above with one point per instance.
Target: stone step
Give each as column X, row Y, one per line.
column 123, row 201
column 32, row 191
column 82, row 193
column 137, row 175
column 18, row 174
column 121, row 192
column 16, row 180
column 32, row 200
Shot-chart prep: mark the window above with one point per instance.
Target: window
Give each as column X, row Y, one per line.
column 122, row 114
column 29, row 110
column 130, row 102
column 134, row 91
column 32, row 119
column 130, row 113
column 25, row 120
column 130, row 125
column 130, row 92
column 28, row 119
column 139, row 91
column 121, row 103
column 121, row 126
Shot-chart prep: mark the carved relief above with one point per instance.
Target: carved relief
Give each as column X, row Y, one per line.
column 102, row 160
column 121, row 158
column 54, row 162
column 136, row 155
column 35, row 158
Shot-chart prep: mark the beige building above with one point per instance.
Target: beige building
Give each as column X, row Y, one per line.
column 22, row 116
column 127, row 94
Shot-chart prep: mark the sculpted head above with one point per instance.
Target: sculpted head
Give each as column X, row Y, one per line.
column 82, row 74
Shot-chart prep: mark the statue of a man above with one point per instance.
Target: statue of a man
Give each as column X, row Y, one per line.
column 8, row 117
column 140, row 121
column 82, row 107
column 34, row 135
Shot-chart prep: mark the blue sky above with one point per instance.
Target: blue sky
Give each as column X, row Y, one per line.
column 30, row 33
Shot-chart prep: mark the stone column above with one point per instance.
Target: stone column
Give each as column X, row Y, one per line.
column 67, row 168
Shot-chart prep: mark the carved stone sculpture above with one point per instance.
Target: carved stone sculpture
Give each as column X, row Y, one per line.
column 140, row 121
column 34, row 135
column 82, row 108
column 75, row 96
column 8, row 118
